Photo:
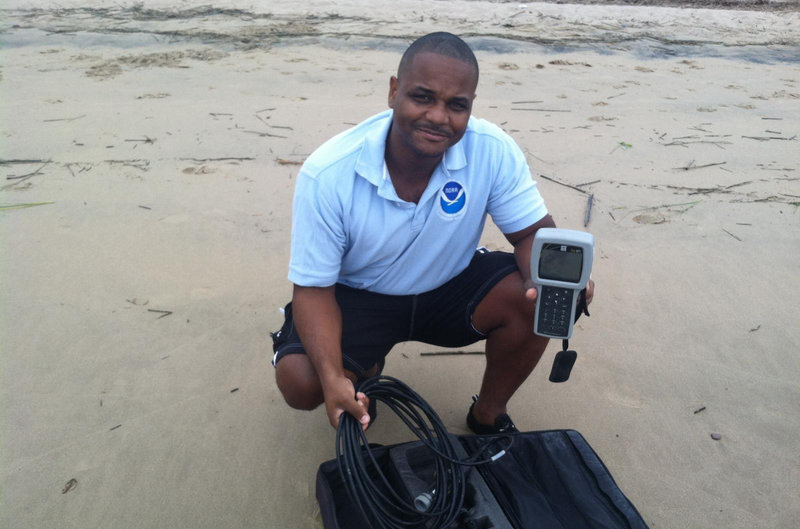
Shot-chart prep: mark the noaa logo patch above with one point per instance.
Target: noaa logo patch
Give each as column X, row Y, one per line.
column 453, row 198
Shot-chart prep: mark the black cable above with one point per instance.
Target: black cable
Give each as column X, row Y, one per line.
column 368, row 487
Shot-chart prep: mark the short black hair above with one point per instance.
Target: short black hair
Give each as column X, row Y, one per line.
column 443, row 43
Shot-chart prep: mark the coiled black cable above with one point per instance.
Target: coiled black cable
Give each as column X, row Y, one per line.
column 368, row 487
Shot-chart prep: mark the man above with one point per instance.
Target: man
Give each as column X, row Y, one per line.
column 386, row 219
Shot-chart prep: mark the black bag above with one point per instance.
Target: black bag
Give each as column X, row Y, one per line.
column 547, row 480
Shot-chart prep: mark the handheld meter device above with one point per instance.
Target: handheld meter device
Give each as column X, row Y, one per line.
column 561, row 261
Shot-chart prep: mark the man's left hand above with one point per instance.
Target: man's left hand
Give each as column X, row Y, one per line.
column 531, row 294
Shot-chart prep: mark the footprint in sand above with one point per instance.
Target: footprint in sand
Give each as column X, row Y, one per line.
column 650, row 218
column 203, row 169
column 628, row 401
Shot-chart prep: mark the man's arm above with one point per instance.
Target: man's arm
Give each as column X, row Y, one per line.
column 319, row 323
column 523, row 242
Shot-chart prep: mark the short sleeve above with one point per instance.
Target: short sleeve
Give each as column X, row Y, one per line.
column 514, row 200
column 318, row 237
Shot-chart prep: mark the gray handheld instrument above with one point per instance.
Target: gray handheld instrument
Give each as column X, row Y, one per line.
column 561, row 261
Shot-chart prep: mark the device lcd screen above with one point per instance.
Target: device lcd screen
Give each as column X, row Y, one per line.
column 560, row 262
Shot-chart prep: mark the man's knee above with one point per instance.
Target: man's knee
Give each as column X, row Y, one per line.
column 298, row 382
column 505, row 305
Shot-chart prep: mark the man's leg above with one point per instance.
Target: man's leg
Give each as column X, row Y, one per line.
column 371, row 325
column 299, row 384
column 512, row 350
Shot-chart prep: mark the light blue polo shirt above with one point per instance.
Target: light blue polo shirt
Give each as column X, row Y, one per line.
column 349, row 225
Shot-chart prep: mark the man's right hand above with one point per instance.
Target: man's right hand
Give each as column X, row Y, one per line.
column 340, row 397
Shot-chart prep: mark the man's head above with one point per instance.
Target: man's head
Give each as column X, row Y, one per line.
column 432, row 95
column 440, row 43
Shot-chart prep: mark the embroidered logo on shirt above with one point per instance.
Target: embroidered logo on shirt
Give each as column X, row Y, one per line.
column 453, row 198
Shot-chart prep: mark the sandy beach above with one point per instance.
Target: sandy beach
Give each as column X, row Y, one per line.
column 147, row 166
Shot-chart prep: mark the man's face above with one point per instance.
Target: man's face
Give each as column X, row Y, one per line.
column 432, row 102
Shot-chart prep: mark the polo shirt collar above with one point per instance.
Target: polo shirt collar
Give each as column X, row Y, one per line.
column 371, row 159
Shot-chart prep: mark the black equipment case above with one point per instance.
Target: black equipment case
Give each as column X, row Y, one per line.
column 547, row 480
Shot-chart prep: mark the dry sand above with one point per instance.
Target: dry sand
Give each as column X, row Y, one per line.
column 158, row 143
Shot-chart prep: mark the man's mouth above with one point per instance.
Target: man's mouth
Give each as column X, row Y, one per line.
column 433, row 134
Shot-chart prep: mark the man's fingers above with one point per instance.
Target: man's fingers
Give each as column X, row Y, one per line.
column 358, row 409
column 337, row 416
column 530, row 289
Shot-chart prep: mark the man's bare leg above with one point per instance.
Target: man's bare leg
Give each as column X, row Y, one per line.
column 512, row 350
column 299, row 384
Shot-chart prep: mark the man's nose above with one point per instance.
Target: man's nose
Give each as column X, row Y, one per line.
column 437, row 114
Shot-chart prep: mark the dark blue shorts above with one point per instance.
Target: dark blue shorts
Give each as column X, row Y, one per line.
column 373, row 323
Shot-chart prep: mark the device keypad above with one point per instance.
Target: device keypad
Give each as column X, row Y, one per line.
column 554, row 310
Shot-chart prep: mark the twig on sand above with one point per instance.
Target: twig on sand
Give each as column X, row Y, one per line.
column 691, row 165
column 28, row 175
column 21, row 178
column 565, row 185
column 451, row 353
column 542, row 109
column 146, row 139
column 141, row 164
column 686, row 144
column 732, row 235
column 699, row 190
column 223, row 159
column 23, row 206
column 284, row 161
column 64, row 119
column 538, row 158
column 164, row 313
column 700, row 127
column 739, row 184
column 767, row 138
column 690, row 204
column 698, row 410
column 264, row 134
column 588, row 183
column 588, row 211
column 71, row 484
column 12, row 162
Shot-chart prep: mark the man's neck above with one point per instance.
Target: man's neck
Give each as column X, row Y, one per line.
column 410, row 179
column 410, row 172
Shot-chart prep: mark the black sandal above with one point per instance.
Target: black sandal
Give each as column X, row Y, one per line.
column 502, row 423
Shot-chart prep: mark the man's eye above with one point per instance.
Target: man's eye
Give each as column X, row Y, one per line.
column 458, row 106
column 422, row 98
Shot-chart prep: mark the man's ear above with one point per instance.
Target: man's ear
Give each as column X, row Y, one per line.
column 392, row 90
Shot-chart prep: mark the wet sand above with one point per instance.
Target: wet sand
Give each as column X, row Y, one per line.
column 146, row 174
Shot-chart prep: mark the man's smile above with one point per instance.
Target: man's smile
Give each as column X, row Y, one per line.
column 432, row 134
